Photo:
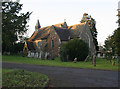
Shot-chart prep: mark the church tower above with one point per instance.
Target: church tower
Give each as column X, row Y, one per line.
column 37, row 26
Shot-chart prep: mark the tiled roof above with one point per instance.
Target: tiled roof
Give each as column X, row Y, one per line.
column 76, row 25
column 62, row 33
column 59, row 25
column 75, row 30
column 41, row 31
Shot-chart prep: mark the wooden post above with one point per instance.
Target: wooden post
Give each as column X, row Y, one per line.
column 113, row 61
column 94, row 60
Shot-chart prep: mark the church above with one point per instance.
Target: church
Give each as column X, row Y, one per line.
column 45, row 42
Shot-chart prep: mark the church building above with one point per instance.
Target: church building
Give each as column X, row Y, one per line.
column 45, row 42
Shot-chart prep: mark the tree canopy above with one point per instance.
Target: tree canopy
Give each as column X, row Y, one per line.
column 109, row 45
column 112, row 43
column 92, row 24
column 14, row 24
column 75, row 48
column 116, row 37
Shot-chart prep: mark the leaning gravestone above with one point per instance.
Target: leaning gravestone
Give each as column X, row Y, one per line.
column 86, row 59
column 75, row 60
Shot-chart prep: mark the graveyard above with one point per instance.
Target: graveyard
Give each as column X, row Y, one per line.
column 101, row 63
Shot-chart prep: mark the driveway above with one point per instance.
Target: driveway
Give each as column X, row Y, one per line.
column 71, row 77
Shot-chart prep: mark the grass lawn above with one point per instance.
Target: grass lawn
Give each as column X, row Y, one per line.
column 21, row 78
column 100, row 63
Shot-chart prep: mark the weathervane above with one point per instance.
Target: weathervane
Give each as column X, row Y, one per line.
column 64, row 20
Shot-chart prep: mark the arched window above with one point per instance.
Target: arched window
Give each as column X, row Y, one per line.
column 52, row 43
column 38, row 43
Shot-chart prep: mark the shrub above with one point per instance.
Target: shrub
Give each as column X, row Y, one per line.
column 75, row 48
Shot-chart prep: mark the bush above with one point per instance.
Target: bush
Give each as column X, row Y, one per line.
column 75, row 48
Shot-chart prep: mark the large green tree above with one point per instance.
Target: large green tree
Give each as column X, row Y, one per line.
column 14, row 24
column 75, row 48
column 92, row 24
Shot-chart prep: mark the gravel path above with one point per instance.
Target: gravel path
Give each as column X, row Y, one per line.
column 71, row 77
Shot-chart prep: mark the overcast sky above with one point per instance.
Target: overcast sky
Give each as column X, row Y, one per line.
column 50, row 12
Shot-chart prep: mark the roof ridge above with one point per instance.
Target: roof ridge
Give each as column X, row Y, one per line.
column 60, row 27
column 77, row 24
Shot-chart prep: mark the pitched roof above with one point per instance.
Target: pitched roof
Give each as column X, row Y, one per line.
column 40, row 32
column 59, row 25
column 76, row 25
column 62, row 33
column 75, row 30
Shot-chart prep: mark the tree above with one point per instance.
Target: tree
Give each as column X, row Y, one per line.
column 116, row 37
column 75, row 48
column 14, row 24
column 109, row 44
column 109, row 47
column 92, row 24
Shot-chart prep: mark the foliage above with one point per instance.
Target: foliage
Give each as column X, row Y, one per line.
column 14, row 24
column 21, row 78
column 109, row 45
column 75, row 48
column 116, row 37
column 92, row 23
column 63, row 52
column 19, row 47
column 101, row 63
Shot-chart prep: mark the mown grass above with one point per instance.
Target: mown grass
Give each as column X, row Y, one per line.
column 100, row 63
column 22, row 78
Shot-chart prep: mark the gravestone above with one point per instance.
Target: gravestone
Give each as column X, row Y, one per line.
column 36, row 55
column 75, row 60
column 29, row 54
column 86, row 59
column 40, row 54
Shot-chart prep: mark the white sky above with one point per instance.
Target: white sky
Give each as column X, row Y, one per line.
column 50, row 12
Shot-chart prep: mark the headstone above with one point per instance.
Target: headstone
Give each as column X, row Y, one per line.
column 29, row 54
column 86, row 58
column 45, row 55
column 98, row 55
column 36, row 55
column 75, row 60
column 32, row 54
column 40, row 55
column 103, row 55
